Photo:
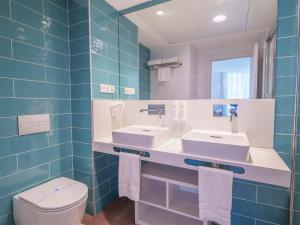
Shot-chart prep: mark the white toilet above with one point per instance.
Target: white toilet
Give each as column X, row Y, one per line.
column 61, row 201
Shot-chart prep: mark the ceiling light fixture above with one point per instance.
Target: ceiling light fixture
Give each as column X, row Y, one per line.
column 160, row 12
column 219, row 18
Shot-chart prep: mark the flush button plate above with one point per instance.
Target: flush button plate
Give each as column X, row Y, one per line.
column 32, row 124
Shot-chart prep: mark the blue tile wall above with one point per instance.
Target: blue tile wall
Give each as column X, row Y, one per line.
column 286, row 74
column 81, row 96
column 129, row 57
column 144, row 73
column 34, row 78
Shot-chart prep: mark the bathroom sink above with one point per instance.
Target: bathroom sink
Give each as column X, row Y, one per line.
column 141, row 136
column 217, row 144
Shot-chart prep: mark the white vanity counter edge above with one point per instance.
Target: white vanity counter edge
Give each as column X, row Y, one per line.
column 265, row 165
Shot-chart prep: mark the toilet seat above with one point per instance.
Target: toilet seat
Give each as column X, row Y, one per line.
column 57, row 195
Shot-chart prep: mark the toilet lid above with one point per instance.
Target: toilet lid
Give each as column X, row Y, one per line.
column 55, row 195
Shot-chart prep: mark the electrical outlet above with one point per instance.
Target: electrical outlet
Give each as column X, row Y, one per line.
column 107, row 88
column 129, row 91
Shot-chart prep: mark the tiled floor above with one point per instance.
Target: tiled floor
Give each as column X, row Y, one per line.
column 120, row 212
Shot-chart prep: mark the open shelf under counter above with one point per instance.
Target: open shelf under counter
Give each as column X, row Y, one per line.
column 150, row 215
column 265, row 165
column 153, row 192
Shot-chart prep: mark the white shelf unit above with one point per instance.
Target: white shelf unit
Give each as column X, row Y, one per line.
column 169, row 196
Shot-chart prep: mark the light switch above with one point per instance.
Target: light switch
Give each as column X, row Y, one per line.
column 32, row 124
column 107, row 88
column 129, row 91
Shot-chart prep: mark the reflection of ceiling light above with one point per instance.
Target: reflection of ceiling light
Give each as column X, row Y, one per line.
column 160, row 12
column 219, row 18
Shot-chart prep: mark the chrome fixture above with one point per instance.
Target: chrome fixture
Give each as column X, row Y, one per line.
column 153, row 109
column 233, row 113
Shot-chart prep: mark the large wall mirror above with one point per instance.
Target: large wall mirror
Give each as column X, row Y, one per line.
column 220, row 49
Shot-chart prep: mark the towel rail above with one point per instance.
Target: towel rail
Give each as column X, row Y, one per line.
column 141, row 153
column 197, row 163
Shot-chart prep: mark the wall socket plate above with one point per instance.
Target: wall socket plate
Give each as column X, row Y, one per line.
column 107, row 88
column 129, row 91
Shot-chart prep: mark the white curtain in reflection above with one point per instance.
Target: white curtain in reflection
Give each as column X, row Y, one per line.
column 236, row 85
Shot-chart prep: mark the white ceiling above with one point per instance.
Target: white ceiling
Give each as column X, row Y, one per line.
column 124, row 4
column 191, row 21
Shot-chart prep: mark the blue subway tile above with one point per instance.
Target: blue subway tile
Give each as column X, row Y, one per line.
column 40, row 56
column 283, row 143
column 101, row 190
column 241, row 220
column 55, row 75
column 79, row 30
column 23, row 180
column 287, row 27
column 286, row 66
column 61, row 166
column 287, row 8
column 81, row 91
column 83, row 164
column 19, row 32
column 260, row 211
column 81, row 120
column 78, row 15
column 6, row 87
column 79, row 46
column 80, row 76
column 273, row 196
column 16, row 69
column 60, row 136
column 55, row 106
column 36, row 5
column 101, row 162
column 4, row 9
column 285, row 105
column 297, row 200
column 84, row 177
column 285, row 86
column 82, row 149
column 6, row 206
column 102, row 63
column 82, row 135
column 53, row 11
column 73, row 4
column 42, row 156
column 26, row 16
column 8, row 165
column 33, row 89
column 14, row 107
column 7, row 220
column 5, row 47
column 244, row 191
column 81, row 61
column 81, row 106
column 53, row 43
column 284, row 124
column 286, row 46
column 8, row 127
column 105, row 8
column 61, row 121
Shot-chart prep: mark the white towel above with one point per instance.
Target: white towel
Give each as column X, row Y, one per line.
column 129, row 176
column 215, row 195
column 164, row 74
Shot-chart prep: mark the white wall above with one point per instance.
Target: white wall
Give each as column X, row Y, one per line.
column 179, row 87
column 256, row 118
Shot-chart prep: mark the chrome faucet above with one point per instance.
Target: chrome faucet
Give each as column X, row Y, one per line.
column 233, row 113
column 155, row 110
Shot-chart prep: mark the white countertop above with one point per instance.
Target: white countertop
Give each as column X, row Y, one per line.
column 264, row 165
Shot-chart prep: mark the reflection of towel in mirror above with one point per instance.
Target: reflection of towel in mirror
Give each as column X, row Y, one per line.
column 164, row 74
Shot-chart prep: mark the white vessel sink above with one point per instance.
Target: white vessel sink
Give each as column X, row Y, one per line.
column 141, row 136
column 217, row 144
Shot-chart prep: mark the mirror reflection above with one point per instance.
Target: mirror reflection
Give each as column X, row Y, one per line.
column 221, row 49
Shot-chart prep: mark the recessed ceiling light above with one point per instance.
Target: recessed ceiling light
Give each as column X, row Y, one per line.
column 160, row 12
column 219, row 18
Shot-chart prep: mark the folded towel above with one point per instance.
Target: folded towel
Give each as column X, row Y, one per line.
column 164, row 74
column 215, row 195
column 129, row 176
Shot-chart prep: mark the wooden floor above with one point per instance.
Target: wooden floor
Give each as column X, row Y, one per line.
column 120, row 212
